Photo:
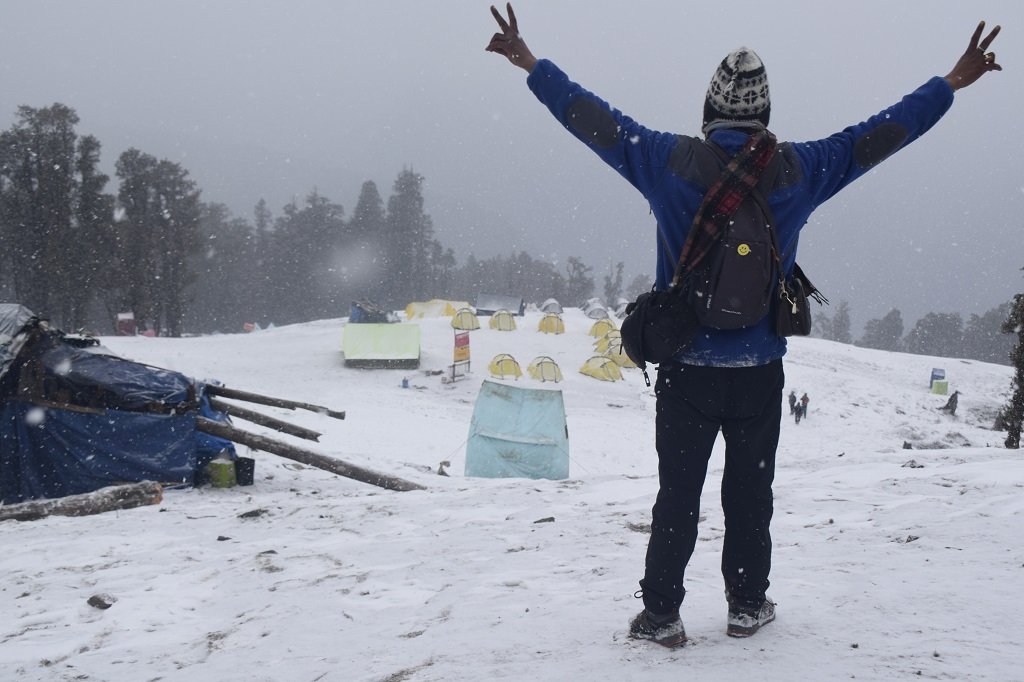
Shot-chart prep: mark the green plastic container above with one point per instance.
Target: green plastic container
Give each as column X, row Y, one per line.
column 221, row 472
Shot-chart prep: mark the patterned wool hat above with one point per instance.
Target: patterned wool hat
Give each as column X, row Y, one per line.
column 738, row 92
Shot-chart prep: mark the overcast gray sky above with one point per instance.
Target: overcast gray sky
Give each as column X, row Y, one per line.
column 271, row 99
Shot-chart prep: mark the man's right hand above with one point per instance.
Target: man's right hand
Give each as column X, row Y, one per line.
column 976, row 61
column 509, row 43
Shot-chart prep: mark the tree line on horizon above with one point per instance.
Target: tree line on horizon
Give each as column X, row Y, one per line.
column 980, row 337
column 80, row 254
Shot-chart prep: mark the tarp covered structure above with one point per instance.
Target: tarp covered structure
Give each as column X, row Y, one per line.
column 74, row 417
column 489, row 304
column 435, row 307
column 368, row 312
column 382, row 345
column 518, row 433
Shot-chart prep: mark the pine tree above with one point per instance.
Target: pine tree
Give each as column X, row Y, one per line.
column 159, row 233
column 841, row 323
column 368, row 218
column 41, row 161
column 883, row 334
column 366, row 243
column 936, row 334
column 136, row 236
column 580, row 285
column 410, row 232
column 613, row 284
column 178, row 221
column 1013, row 413
column 305, row 282
column 984, row 338
column 93, row 215
column 261, row 280
column 220, row 295
column 821, row 326
column 639, row 285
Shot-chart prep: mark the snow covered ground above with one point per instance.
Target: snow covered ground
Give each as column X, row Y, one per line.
column 889, row 563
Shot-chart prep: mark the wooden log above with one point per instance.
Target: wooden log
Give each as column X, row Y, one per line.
column 98, row 501
column 264, row 420
column 225, row 392
column 313, row 459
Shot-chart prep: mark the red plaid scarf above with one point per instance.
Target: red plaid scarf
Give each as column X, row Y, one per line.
column 724, row 198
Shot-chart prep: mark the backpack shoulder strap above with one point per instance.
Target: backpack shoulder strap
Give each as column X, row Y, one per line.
column 736, row 182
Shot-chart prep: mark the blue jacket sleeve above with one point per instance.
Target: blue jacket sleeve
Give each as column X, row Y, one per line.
column 638, row 154
column 834, row 162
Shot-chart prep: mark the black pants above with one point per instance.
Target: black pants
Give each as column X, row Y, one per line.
column 693, row 404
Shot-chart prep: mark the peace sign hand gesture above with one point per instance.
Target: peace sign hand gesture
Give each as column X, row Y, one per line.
column 509, row 43
column 976, row 61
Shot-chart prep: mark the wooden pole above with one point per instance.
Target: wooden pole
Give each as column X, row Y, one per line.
column 264, row 420
column 335, row 466
column 226, row 392
column 98, row 501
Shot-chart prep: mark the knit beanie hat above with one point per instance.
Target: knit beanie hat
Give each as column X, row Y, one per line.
column 738, row 92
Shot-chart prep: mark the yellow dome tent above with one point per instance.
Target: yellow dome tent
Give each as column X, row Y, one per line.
column 601, row 327
column 617, row 355
column 608, row 340
column 601, row 368
column 544, row 368
column 551, row 323
column 502, row 320
column 504, row 365
column 465, row 319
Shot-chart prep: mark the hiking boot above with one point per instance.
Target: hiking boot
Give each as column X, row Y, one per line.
column 664, row 630
column 744, row 621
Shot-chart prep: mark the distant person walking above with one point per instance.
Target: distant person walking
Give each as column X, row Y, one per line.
column 951, row 404
column 726, row 380
column 803, row 405
column 792, row 402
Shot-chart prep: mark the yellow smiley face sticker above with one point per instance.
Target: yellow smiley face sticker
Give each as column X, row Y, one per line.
column 743, row 249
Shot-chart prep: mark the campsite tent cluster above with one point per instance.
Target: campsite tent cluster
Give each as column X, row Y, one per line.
column 75, row 417
column 604, row 364
column 374, row 338
column 515, row 431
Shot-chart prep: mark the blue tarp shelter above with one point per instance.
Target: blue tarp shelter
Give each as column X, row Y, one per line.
column 74, row 417
column 368, row 312
column 518, row 433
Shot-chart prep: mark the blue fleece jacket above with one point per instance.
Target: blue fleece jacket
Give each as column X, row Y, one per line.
column 660, row 165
